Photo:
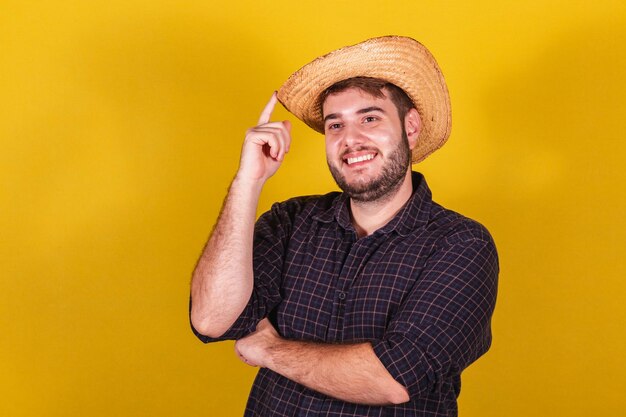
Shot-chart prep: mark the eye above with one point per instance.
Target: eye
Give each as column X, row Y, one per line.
column 369, row 119
column 333, row 126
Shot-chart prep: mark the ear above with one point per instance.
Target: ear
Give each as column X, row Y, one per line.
column 412, row 126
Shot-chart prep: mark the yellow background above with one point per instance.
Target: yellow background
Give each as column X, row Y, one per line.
column 120, row 128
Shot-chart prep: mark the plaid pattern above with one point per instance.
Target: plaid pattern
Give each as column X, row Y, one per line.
column 421, row 289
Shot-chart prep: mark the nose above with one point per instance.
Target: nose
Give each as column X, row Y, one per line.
column 353, row 136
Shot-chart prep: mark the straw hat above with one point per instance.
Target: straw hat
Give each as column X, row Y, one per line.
column 400, row 60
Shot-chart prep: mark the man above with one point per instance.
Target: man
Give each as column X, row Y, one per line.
column 368, row 302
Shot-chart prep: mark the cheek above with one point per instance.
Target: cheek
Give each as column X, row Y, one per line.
column 331, row 148
column 329, row 154
column 389, row 138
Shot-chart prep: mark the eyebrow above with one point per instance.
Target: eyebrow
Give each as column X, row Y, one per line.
column 360, row 111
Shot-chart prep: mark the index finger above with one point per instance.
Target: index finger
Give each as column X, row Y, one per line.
column 267, row 111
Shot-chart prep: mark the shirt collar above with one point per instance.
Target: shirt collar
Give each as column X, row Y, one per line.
column 413, row 215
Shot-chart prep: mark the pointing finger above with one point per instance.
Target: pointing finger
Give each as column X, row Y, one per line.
column 287, row 125
column 269, row 108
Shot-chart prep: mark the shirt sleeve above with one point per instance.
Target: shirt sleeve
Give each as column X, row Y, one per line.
column 270, row 238
column 444, row 323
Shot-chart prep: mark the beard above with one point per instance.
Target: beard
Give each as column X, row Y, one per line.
column 388, row 181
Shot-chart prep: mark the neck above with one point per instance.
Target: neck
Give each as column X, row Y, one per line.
column 369, row 216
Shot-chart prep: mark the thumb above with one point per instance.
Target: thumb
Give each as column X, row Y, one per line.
column 287, row 125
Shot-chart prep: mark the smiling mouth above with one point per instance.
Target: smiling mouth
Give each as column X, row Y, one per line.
column 360, row 158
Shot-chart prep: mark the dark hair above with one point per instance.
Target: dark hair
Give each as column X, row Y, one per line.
column 373, row 87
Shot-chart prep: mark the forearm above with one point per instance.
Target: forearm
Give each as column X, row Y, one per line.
column 223, row 278
column 350, row 373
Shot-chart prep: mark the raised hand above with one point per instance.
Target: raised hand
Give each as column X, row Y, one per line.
column 264, row 146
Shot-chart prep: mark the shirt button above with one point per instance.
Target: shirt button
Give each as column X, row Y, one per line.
column 342, row 295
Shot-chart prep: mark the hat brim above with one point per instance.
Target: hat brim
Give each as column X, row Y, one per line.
column 399, row 60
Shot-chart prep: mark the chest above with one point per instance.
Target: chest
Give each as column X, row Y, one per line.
column 339, row 289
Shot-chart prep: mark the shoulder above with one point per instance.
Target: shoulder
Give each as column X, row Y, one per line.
column 453, row 228
column 301, row 209
column 309, row 205
column 462, row 247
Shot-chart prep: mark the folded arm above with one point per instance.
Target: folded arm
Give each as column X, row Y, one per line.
column 351, row 372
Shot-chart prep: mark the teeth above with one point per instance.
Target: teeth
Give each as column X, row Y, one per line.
column 360, row 158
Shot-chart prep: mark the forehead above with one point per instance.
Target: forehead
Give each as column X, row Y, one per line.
column 353, row 99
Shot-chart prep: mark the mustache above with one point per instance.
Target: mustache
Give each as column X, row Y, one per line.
column 358, row 149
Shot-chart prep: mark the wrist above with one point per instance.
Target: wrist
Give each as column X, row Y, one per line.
column 274, row 349
column 246, row 185
column 271, row 352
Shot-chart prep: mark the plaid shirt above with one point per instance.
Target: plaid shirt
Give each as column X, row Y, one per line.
column 421, row 289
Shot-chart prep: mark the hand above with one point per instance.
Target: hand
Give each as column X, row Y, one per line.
column 264, row 146
column 254, row 349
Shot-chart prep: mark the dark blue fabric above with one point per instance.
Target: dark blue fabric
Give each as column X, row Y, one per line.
column 421, row 290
